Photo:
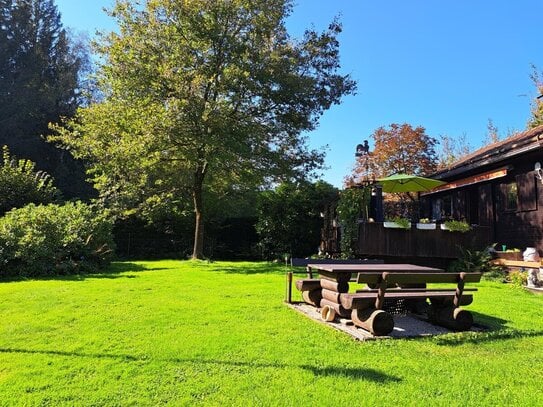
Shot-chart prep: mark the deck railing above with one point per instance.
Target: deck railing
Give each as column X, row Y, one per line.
column 376, row 240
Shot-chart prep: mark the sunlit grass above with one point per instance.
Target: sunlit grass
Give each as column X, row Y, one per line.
column 188, row 333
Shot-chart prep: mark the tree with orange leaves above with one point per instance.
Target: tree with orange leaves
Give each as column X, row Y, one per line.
column 400, row 148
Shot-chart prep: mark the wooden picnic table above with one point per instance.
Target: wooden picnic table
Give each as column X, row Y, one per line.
column 406, row 282
column 344, row 271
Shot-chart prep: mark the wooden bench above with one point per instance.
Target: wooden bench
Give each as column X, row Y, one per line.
column 517, row 263
column 367, row 305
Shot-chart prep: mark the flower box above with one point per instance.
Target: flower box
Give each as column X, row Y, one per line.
column 426, row 226
column 517, row 256
column 394, row 225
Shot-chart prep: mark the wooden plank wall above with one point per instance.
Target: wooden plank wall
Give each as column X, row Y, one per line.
column 376, row 240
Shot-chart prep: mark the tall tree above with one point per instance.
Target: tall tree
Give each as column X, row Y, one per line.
column 452, row 149
column 202, row 95
column 492, row 134
column 40, row 69
column 537, row 105
column 289, row 219
column 400, row 148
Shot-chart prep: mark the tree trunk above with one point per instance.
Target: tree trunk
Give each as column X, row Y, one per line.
column 197, row 195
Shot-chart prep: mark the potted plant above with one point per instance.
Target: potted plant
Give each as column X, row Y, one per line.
column 398, row 223
column 456, row 226
column 426, row 224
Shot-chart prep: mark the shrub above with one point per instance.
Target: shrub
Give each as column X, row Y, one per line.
column 20, row 184
column 54, row 239
column 477, row 261
column 518, row 278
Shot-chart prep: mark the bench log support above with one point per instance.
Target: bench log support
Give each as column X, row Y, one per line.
column 376, row 321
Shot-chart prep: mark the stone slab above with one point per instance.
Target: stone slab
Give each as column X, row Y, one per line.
column 405, row 326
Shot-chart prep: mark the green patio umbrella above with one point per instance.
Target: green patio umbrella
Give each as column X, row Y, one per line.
column 408, row 183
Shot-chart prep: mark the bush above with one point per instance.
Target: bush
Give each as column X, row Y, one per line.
column 20, row 184
column 518, row 278
column 54, row 239
column 477, row 261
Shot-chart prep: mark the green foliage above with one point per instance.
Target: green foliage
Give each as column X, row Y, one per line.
column 42, row 74
column 403, row 223
column 205, row 95
column 518, row 278
column 477, row 261
column 20, row 184
column 289, row 218
column 352, row 205
column 457, row 226
column 425, row 221
column 54, row 239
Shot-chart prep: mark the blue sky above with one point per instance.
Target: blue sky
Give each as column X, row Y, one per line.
column 449, row 66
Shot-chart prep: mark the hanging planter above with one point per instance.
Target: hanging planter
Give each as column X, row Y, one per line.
column 398, row 223
column 426, row 226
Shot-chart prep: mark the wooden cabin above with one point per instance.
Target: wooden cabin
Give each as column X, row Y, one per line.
column 498, row 190
column 498, row 187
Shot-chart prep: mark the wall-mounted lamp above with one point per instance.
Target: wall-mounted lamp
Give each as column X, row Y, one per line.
column 537, row 169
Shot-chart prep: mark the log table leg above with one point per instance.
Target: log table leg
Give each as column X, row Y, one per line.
column 313, row 297
column 457, row 319
column 376, row 321
column 332, row 285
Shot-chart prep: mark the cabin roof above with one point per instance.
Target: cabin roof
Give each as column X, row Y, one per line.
column 512, row 146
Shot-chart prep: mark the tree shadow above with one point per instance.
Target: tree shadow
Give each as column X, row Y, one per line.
column 489, row 329
column 112, row 271
column 483, row 337
column 257, row 268
column 363, row 374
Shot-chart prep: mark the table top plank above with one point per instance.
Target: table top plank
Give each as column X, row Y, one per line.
column 355, row 268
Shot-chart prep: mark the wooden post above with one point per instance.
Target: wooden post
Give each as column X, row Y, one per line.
column 459, row 290
column 289, row 287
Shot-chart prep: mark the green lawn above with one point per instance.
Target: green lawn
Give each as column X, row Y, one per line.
column 184, row 333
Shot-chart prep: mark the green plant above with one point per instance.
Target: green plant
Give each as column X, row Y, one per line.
column 404, row 223
column 479, row 261
column 425, row 220
column 54, row 239
column 517, row 278
column 457, row 226
column 352, row 202
column 21, row 184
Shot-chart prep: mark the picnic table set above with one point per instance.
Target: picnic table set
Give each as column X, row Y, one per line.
column 381, row 288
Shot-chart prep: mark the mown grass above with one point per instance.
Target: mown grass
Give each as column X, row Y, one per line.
column 186, row 333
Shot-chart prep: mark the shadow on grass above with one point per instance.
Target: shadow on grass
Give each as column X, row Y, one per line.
column 493, row 329
column 114, row 270
column 257, row 268
column 482, row 337
column 364, row 374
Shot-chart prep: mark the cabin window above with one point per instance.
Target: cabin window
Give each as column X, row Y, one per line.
column 442, row 208
column 511, row 196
